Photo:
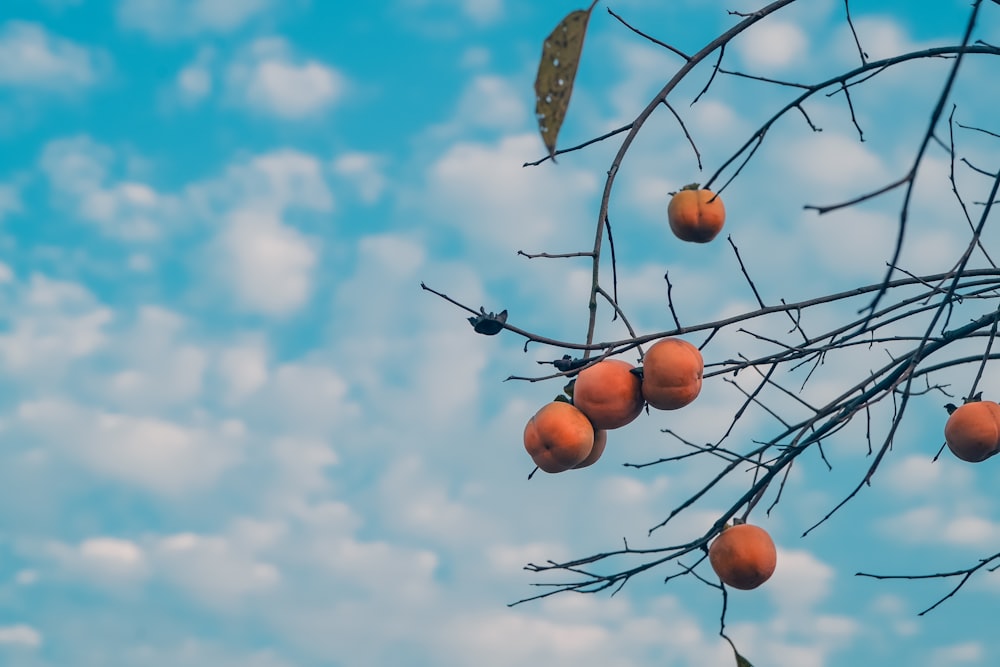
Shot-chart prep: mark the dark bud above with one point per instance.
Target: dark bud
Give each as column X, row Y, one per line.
column 568, row 363
column 488, row 324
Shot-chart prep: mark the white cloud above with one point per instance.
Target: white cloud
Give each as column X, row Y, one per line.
column 187, row 18
column 957, row 654
column 77, row 164
column 303, row 462
column 243, row 369
column 270, row 182
column 192, row 652
column 484, row 193
column 881, row 37
column 847, row 164
column 267, row 263
column 920, row 475
column 124, row 552
column 772, row 45
column 58, row 322
column 307, row 398
column 935, row 524
column 160, row 456
column 22, row 635
column 270, row 80
column 363, row 171
column 539, row 640
column 216, row 569
column 492, row 102
column 109, row 561
column 479, row 12
column 78, row 169
column 31, row 57
column 800, row 581
column 10, row 200
column 195, row 81
column 26, row 577
column 833, row 242
column 483, row 12
column 157, row 368
column 59, row 5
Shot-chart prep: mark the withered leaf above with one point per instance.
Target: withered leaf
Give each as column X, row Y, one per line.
column 556, row 72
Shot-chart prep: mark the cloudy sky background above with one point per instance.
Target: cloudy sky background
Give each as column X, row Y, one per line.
column 237, row 432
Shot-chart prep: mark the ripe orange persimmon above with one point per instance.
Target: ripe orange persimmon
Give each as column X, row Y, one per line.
column 743, row 556
column 671, row 374
column 696, row 215
column 558, row 437
column 600, row 440
column 609, row 393
column 973, row 431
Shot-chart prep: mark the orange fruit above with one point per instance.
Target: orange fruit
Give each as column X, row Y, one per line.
column 696, row 215
column 743, row 556
column 973, row 431
column 671, row 374
column 600, row 440
column 609, row 393
column 558, row 437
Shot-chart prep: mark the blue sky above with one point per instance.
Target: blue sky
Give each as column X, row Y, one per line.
column 237, row 432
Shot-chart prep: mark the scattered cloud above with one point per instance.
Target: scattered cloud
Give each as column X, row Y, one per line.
column 33, row 58
column 958, row 654
column 933, row 524
column 218, row 570
column 60, row 5
column 156, row 366
column 196, row 81
column 54, row 324
column 364, row 172
column 273, row 182
column 10, row 200
column 20, row 635
column 359, row 443
column 270, row 80
column 243, row 369
column 773, row 45
column 154, row 454
column 168, row 19
column 79, row 171
column 480, row 12
column 492, row 102
column 484, row 193
column 267, row 264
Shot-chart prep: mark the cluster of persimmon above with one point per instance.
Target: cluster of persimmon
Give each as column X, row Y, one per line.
column 607, row 395
column 611, row 393
column 972, row 431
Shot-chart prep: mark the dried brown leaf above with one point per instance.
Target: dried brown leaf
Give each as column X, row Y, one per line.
column 556, row 72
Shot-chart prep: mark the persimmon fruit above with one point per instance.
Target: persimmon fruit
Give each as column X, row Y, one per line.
column 600, row 441
column 973, row 431
column 696, row 214
column 671, row 374
column 609, row 393
column 743, row 556
column 558, row 437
